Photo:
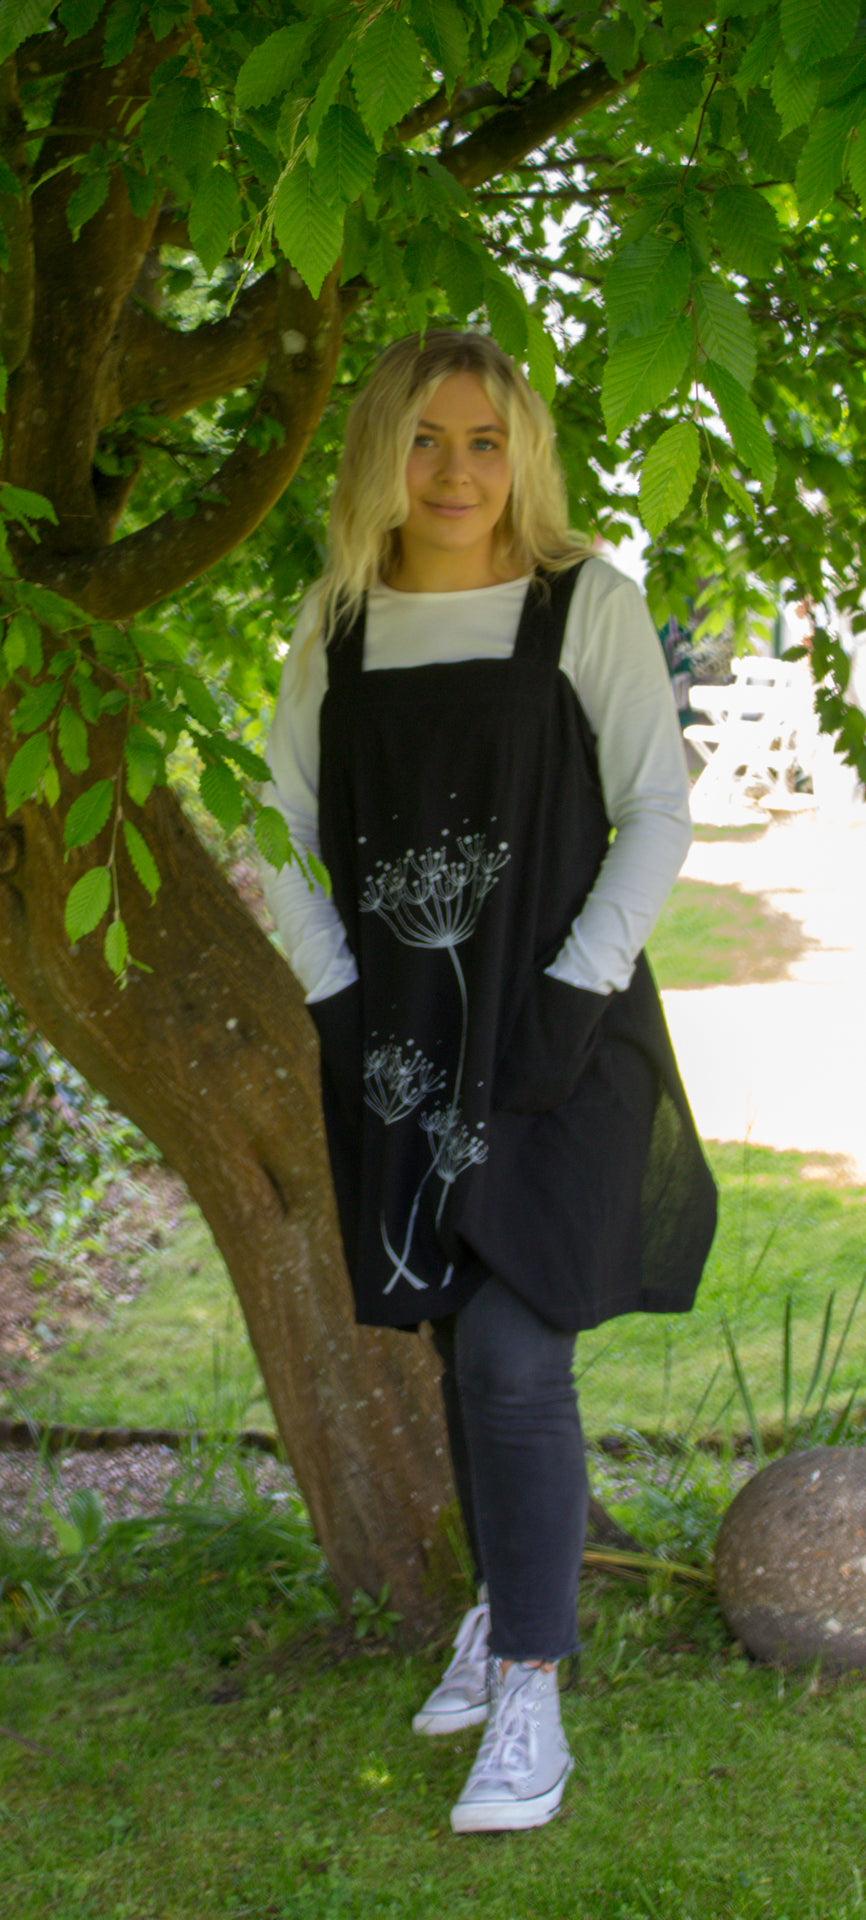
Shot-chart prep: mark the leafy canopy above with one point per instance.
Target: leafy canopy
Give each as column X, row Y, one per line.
column 656, row 207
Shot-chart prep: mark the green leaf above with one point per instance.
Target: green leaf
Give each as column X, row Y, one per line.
column 50, row 608
column 388, row 73
column 819, row 168
column 180, row 128
column 645, row 282
column 87, row 200
column 145, row 764
column 751, row 440
column 746, row 231
column 642, row 374
column 142, row 190
column 507, row 312
column 78, row 16
column 855, row 163
column 142, row 859
column 668, row 476
column 761, row 130
column 121, row 28
column 272, row 837
column 70, row 1539
column 88, row 814
column 113, row 647
column 88, row 698
column 19, row 503
column 72, row 740
column 36, row 706
column 222, row 795
column 615, row 42
column 441, row 27
column 505, row 43
column 815, row 29
column 88, row 900
column 736, row 492
column 272, row 66
column 560, row 54
column 331, row 82
column 317, row 870
column 214, row 217
column 460, row 267
column 669, row 92
column 541, row 358
column 725, row 331
column 9, row 181
column 308, row 230
column 761, row 50
column 22, row 646
column 682, row 18
column 21, row 20
column 200, row 702
column 116, row 948
column 794, row 93
column 51, row 784
column 346, row 159
column 252, row 764
column 26, row 770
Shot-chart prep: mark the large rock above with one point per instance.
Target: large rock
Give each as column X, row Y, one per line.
column 791, row 1560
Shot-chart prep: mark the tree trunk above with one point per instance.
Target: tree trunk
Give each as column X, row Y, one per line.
column 213, row 1056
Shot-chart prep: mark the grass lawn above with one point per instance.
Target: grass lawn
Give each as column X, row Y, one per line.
column 179, row 1753
column 178, row 1354
column 714, row 936
column 189, row 1731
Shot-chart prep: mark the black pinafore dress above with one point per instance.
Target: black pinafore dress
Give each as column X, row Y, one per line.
column 463, row 824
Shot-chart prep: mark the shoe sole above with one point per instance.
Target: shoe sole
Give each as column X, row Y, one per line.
column 436, row 1723
column 515, row 1816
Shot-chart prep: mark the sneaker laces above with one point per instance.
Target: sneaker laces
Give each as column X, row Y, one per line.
column 470, row 1646
column 509, row 1748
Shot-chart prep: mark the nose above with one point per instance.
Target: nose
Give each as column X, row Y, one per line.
column 452, row 463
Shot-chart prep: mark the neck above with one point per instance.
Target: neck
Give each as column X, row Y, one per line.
column 446, row 572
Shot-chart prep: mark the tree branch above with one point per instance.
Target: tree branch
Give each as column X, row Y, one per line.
column 523, row 125
column 170, row 371
column 17, row 286
column 115, row 582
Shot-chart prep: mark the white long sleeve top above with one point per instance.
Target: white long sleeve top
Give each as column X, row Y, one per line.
column 612, row 656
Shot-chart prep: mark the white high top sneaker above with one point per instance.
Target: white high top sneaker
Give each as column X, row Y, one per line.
column 461, row 1698
column 523, row 1761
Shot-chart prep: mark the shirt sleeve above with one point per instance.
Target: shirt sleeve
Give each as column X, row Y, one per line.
column 614, row 659
column 307, row 921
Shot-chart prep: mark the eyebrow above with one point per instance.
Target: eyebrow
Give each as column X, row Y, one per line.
column 482, row 429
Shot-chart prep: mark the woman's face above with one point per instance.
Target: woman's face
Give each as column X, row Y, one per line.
column 458, row 477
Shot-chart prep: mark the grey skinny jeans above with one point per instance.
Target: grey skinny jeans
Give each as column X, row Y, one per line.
column 517, row 1449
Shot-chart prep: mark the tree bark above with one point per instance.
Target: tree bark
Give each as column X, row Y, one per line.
column 210, row 1051
column 213, row 1055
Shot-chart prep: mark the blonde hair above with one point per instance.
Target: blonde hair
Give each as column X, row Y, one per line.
column 370, row 501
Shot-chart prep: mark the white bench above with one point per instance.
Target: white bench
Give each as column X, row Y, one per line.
column 758, row 734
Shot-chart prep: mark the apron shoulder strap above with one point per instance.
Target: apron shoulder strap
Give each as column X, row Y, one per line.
column 545, row 611
column 345, row 651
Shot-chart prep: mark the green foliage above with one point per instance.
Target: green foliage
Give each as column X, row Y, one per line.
column 60, row 1144
column 677, row 260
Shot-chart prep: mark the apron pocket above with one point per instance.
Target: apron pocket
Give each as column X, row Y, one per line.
column 551, row 1041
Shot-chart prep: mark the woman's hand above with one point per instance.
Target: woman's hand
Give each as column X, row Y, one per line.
column 550, row 1044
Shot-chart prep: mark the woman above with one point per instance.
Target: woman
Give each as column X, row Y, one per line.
column 475, row 729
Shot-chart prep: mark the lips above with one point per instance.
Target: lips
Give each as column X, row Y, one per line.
column 452, row 510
